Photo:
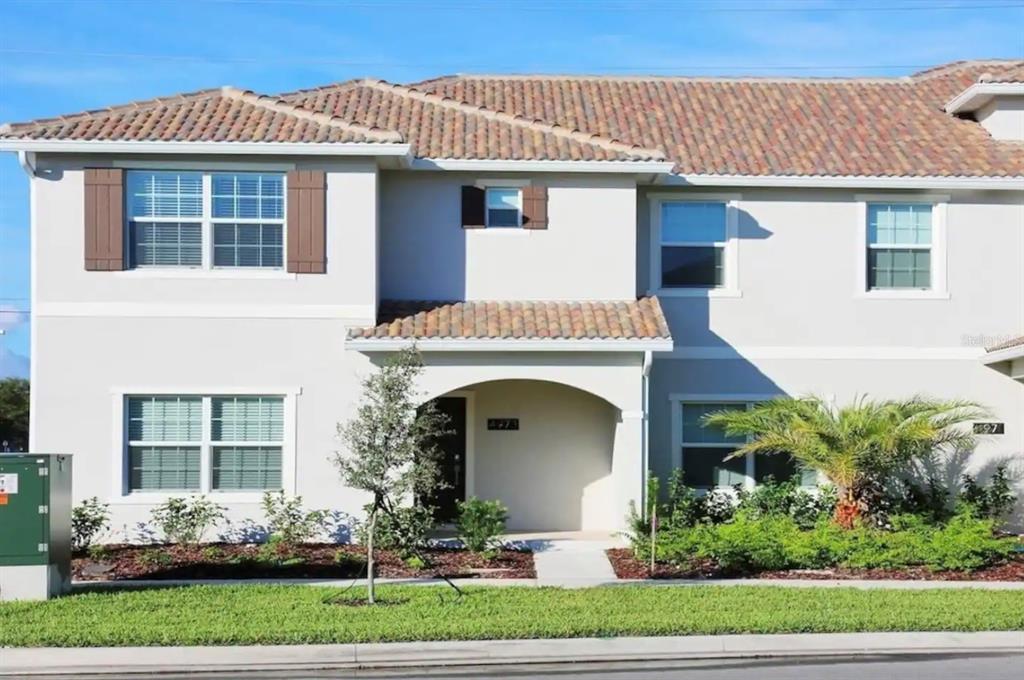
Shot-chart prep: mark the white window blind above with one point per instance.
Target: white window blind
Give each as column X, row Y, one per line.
column 172, row 439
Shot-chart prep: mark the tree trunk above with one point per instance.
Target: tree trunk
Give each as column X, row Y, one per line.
column 370, row 594
column 847, row 509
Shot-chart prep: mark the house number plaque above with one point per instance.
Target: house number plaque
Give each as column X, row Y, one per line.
column 503, row 423
column 989, row 428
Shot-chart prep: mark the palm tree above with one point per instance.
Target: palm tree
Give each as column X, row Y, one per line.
column 853, row 445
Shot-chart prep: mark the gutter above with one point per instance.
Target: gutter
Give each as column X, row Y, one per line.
column 979, row 94
column 645, row 436
column 489, row 165
column 508, row 345
column 226, row 148
column 848, row 182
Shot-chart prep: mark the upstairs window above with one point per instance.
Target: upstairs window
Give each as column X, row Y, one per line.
column 693, row 243
column 504, row 207
column 206, row 220
column 899, row 246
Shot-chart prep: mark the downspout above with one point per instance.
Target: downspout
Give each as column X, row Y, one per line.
column 27, row 161
column 646, row 398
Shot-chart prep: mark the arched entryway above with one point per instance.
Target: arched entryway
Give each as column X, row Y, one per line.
column 544, row 449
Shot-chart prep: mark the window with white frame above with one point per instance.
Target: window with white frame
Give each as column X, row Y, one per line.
column 504, row 207
column 204, row 443
column 693, row 240
column 705, row 452
column 206, row 220
column 899, row 246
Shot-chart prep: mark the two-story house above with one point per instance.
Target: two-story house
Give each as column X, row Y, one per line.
column 588, row 265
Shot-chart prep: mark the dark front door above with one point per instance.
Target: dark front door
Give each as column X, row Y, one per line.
column 452, row 460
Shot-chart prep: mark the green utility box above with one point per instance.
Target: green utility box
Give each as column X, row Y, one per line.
column 35, row 526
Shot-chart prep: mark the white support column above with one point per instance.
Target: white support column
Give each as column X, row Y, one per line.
column 628, row 464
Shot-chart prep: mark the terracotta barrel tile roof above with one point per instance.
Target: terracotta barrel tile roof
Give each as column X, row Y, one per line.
column 220, row 115
column 1013, row 342
column 614, row 320
column 758, row 126
column 441, row 127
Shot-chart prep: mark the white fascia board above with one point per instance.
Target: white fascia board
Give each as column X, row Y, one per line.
column 507, row 345
column 225, row 148
column 482, row 165
column 979, row 94
column 1001, row 355
column 849, row 182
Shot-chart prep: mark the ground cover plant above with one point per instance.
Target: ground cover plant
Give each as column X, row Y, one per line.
column 244, row 615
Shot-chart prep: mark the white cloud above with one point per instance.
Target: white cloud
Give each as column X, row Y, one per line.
column 11, row 317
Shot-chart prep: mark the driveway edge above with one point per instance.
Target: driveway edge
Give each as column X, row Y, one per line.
column 127, row 660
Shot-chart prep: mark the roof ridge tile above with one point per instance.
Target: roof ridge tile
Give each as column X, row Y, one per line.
column 281, row 106
column 534, row 124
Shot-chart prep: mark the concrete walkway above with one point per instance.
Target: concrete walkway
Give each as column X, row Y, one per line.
column 120, row 661
column 572, row 563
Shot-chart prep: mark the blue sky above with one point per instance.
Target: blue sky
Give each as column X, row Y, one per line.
column 62, row 56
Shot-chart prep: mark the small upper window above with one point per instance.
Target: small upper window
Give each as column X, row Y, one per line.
column 693, row 242
column 899, row 246
column 504, row 207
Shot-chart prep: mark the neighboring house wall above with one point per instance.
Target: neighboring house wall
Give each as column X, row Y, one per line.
column 584, row 254
column 800, row 324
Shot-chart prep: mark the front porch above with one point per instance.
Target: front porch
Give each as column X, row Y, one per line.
column 548, row 402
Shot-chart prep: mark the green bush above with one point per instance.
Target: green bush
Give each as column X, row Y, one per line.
column 993, row 501
column 88, row 519
column 404, row 530
column 287, row 520
column 480, row 523
column 751, row 544
column 184, row 521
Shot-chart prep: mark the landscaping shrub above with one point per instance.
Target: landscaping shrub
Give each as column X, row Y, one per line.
column 404, row 530
column 88, row 519
column 993, row 501
column 774, row 542
column 480, row 523
column 182, row 521
column 287, row 521
column 789, row 499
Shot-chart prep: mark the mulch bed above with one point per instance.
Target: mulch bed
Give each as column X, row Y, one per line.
column 628, row 567
column 314, row 560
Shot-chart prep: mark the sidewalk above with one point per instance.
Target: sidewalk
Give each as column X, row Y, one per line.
column 118, row 661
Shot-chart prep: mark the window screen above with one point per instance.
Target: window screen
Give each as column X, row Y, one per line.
column 899, row 246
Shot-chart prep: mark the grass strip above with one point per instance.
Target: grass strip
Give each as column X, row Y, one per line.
column 270, row 614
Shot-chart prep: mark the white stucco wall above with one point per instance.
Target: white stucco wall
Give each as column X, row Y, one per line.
column 554, row 473
column 584, row 254
column 347, row 290
column 1003, row 117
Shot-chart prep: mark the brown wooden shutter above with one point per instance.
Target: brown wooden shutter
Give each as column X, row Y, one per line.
column 473, row 207
column 104, row 219
column 307, row 222
column 535, row 207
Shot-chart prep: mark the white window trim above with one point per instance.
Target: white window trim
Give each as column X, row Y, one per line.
column 731, row 257
column 120, row 493
column 939, row 258
column 487, row 209
column 676, row 402
column 207, row 222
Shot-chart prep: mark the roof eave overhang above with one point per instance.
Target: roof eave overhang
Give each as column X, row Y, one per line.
column 979, row 94
column 1001, row 355
column 847, row 182
column 403, row 151
column 509, row 345
column 493, row 165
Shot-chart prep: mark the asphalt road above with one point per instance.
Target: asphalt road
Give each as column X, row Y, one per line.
column 904, row 667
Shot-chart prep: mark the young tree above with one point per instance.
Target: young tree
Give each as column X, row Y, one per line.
column 14, row 413
column 853, row 446
column 390, row 444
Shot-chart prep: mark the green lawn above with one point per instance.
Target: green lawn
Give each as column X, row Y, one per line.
column 223, row 615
